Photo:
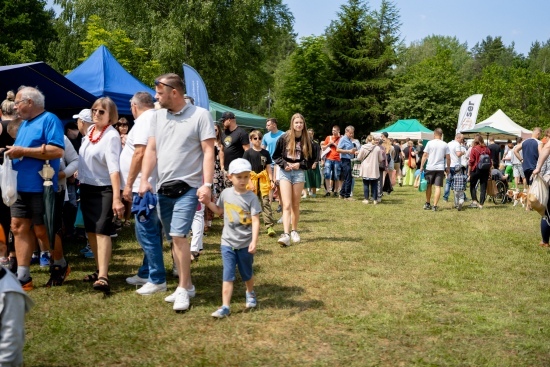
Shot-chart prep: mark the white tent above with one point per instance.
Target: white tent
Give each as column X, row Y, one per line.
column 499, row 120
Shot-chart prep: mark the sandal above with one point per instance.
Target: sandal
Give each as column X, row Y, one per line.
column 91, row 277
column 102, row 284
column 544, row 244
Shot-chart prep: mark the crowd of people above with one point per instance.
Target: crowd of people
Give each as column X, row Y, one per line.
column 116, row 169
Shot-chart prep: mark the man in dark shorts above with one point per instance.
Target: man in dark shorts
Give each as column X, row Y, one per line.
column 437, row 154
column 40, row 138
column 235, row 142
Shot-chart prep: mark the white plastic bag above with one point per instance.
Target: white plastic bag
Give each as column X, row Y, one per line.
column 8, row 182
column 538, row 194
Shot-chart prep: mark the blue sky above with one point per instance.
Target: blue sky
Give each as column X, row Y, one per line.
column 522, row 22
column 470, row 21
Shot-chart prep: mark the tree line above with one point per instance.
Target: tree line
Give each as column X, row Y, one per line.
column 359, row 72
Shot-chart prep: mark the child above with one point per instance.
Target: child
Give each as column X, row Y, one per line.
column 261, row 177
column 14, row 303
column 459, row 186
column 241, row 212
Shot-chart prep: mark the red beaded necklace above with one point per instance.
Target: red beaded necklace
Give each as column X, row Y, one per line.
column 93, row 141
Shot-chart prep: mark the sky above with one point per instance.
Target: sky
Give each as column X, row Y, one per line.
column 521, row 22
column 471, row 21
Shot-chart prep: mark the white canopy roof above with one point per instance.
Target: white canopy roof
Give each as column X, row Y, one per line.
column 499, row 120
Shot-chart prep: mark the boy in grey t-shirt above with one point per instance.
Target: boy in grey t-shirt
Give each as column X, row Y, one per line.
column 241, row 210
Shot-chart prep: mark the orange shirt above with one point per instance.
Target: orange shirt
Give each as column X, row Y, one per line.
column 333, row 155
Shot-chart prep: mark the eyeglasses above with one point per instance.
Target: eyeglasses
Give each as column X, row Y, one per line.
column 157, row 82
column 17, row 102
column 100, row 112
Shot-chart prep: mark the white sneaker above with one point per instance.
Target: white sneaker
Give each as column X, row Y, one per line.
column 294, row 236
column 172, row 298
column 280, row 221
column 136, row 280
column 151, row 288
column 284, row 240
column 181, row 303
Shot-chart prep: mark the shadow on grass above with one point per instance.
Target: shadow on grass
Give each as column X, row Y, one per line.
column 278, row 296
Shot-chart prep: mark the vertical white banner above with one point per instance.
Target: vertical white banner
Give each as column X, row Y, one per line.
column 468, row 113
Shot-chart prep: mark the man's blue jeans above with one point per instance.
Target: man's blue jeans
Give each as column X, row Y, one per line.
column 346, row 177
column 149, row 236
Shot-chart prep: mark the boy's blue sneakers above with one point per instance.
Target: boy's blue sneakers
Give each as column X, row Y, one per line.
column 251, row 300
column 221, row 312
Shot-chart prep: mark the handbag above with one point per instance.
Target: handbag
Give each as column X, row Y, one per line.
column 492, row 187
column 412, row 161
column 8, row 183
column 423, row 183
column 538, row 195
column 174, row 189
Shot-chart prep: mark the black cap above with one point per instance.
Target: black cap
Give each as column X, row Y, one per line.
column 228, row 116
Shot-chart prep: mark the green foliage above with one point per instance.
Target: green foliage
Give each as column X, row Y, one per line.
column 363, row 47
column 430, row 91
column 302, row 83
column 26, row 27
column 132, row 58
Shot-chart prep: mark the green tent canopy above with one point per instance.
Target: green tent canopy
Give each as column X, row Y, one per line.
column 403, row 129
column 244, row 119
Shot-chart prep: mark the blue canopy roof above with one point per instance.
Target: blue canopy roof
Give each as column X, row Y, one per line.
column 63, row 97
column 102, row 75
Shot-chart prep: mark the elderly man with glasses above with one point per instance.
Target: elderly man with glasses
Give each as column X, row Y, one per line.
column 40, row 138
column 181, row 147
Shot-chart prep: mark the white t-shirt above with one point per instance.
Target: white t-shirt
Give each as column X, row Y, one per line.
column 454, row 147
column 437, row 150
column 97, row 161
column 137, row 136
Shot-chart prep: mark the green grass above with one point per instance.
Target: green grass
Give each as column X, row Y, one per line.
column 385, row 285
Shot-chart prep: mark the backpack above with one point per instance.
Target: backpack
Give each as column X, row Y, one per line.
column 484, row 162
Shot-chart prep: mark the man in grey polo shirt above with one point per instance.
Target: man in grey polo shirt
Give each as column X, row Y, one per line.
column 181, row 146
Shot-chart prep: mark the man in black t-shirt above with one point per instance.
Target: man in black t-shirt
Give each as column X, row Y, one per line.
column 495, row 152
column 235, row 141
column 397, row 162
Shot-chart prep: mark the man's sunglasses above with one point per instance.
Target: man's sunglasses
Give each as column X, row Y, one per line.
column 157, row 82
column 100, row 112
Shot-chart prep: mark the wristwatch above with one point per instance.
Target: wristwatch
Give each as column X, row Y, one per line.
column 208, row 184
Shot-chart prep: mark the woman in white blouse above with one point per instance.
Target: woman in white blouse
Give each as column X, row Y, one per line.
column 98, row 172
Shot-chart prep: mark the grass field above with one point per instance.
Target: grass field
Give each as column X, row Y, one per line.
column 385, row 285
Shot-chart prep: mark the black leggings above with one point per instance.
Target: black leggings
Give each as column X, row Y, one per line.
column 481, row 177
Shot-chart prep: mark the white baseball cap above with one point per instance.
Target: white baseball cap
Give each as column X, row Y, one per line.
column 85, row 115
column 239, row 165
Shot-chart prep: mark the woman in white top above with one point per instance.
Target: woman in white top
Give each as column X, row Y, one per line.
column 98, row 172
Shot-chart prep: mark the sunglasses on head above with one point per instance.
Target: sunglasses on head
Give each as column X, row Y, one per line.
column 100, row 112
column 157, row 82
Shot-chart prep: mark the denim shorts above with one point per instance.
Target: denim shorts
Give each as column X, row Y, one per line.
column 295, row 176
column 240, row 258
column 176, row 214
column 332, row 170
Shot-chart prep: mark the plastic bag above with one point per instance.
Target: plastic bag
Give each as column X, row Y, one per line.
column 538, row 195
column 423, row 183
column 8, row 182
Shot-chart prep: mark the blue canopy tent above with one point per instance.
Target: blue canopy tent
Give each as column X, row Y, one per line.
column 63, row 97
column 102, row 75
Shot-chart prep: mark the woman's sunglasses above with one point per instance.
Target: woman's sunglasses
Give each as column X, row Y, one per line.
column 121, row 124
column 100, row 112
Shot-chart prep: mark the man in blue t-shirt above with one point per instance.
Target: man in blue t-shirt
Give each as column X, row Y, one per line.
column 531, row 149
column 270, row 138
column 40, row 138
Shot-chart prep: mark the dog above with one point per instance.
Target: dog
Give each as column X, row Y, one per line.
column 518, row 197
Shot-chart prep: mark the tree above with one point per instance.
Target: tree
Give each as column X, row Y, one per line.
column 26, row 27
column 303, row 84
column 362, row 46
column 431, row 91
column 232, row 44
